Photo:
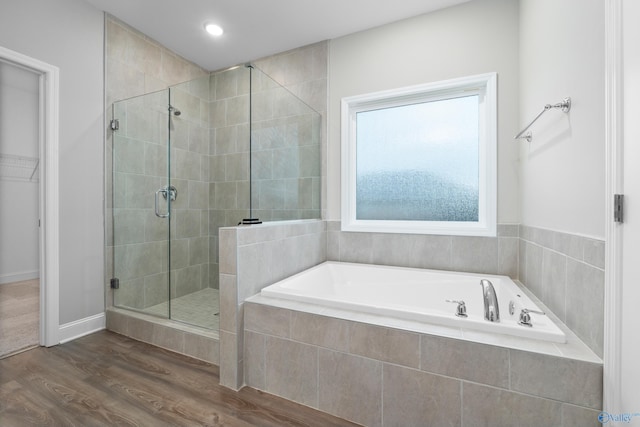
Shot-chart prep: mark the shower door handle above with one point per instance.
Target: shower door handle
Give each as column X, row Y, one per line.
column 164, row 194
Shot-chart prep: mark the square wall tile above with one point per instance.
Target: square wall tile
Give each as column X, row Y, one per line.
column 254, row 360
column 414, row 398
column 508, row 256
column 117, row 322
column 203, row 348
column 585, row 314
column 291, row 370
column 228, row 248
column 386, row 344
column 554, row 280
column 594, row 251
column 474, row 254
column 319, row 330
column 576, row 416
column 356, row 247
column 557, row 378
column 229, row 361
column 471, row 361
column 169, row 338
column 350, row 387
column 265, row 319
column 228, row 302
column 491, row 407
column 534, row 268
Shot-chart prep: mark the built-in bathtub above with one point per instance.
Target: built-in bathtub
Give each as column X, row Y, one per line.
column 418, row 295
column 390, row 362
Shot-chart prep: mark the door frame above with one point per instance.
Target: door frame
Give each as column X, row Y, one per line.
column 614, row 147
column 49, row 83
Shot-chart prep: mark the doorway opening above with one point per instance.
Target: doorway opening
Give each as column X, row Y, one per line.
column 36, row 166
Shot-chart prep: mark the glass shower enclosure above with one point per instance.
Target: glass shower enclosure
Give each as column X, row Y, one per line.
column 195, row 157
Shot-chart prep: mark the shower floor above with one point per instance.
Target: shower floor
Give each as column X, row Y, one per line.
column 199, row 308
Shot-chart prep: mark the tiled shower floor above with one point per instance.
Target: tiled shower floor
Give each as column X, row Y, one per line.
column 199, row 308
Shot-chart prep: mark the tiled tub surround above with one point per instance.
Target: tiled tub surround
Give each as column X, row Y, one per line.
column 566, row 272
column 490, row 255
column 356, row 367
column 416, row 294
column 252, row 257
column 379, row 371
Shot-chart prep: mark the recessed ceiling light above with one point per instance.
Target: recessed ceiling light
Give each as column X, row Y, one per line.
column 213, row 29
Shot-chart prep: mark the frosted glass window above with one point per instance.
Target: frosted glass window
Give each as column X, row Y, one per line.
column 421, row 159
column 418, row 162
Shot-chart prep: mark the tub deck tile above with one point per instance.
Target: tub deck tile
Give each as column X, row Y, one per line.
column 385, row 344
column 414, row 398
column 350, row 387
column 557, row 378
column 481, row 363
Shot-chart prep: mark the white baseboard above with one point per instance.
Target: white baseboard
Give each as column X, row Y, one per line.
column 79, row 328
column 19, row 277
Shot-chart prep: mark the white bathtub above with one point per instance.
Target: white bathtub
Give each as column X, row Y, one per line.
column 415, row 294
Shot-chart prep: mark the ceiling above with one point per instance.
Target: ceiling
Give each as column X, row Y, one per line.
column 256, row 28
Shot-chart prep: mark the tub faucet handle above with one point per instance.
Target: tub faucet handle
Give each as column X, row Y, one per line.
column 461, row 311
column 525, row 318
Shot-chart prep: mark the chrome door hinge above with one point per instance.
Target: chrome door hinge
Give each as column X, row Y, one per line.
column 618, row 207
column 115, row 124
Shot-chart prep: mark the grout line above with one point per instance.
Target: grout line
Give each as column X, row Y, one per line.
column 462, row 403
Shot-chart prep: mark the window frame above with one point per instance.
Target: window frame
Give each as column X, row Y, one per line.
column 485, row 85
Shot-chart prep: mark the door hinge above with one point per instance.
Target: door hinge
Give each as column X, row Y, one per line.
column 618, row 207
column 115, row 124
column 115, row 283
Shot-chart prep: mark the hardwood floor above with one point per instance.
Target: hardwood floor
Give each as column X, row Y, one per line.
column 19, row 316
column 106, row 379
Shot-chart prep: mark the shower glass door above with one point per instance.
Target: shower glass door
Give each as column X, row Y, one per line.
column 193, row 242
column 141, row 201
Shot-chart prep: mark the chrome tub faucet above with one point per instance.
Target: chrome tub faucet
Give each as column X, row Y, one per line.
column 491, row 310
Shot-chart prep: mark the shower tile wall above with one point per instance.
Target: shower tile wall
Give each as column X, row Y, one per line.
column 303, row 72
column 140, row 245
column 229, row 160
column 135, row 65
column 288, row 141
column 285, row 154
column 190, row 174
column 138, row 65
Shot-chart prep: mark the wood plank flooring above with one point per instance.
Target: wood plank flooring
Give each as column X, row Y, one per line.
column 19, row 316
column 106, row 379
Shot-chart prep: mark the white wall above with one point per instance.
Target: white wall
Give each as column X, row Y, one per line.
column 563, row 168
column 473, row 38
column 69, row 35
column 18, row 195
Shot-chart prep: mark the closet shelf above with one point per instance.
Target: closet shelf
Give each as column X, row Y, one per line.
column 18, row 168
